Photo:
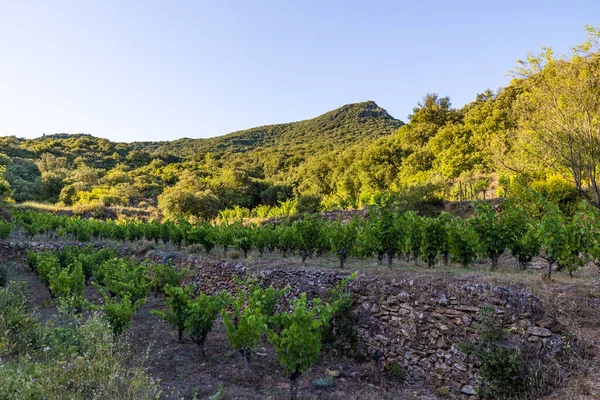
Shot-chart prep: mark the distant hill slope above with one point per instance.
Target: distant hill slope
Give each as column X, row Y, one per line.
column 242, row 165
column 336, row 129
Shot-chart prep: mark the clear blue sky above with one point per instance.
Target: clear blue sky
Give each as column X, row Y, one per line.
column 161, row 70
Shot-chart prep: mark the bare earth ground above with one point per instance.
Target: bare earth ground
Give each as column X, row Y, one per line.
column 183, row 373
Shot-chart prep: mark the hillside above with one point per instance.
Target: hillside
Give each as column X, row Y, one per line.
column 335, row 129
column 239, row 168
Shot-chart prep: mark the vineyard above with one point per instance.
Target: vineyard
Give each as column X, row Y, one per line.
column 538, row 229
column 294, row 325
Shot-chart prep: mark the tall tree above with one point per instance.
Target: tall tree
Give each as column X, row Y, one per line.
column 558, row 112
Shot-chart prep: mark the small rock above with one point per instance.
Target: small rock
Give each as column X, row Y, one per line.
column 468, row 389
column 539, row 331
column 332, row 373
column 550, row 323
column 460, row 367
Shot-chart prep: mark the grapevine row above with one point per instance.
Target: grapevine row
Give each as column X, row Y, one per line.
column 386, row 233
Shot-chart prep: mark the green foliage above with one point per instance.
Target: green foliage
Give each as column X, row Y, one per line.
column 397, row 371
column 308, row 204
column 68, row 283
column 497, row 231
column 201, row 315
column 124, row 277
column 413, row 240
column 164, row 274
column 178, row 299
column 434, row 239
column 251, row 309
column 306, row 233
column 560, row 192
column 341, row 333
column 20, row 331
column 387, row 230
column 342, row 238
column 526, row 247
column 118, row 311
column 243, row 237
column 556, row 113
column 5, row 229
column 297, row 336
column 4, row 185
column 500, row 369
column 463, row 242
column 72, row 358
column 45, row 263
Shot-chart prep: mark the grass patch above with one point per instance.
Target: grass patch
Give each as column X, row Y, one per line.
column 70, row 358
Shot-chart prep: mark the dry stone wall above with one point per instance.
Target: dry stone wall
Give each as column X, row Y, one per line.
column 415, row 323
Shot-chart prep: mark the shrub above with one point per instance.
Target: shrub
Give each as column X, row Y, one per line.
column 4, row 274
column 164, row 274
column 178, row 299
column 118, row 312
column 500, row 366
column 308, row 204
column 71, row 359
column 20, row 331
column 123, row 277
column 68, row 283
column 250, row 310
column 559, row 192
column 341, row 333
column 397, row 371
column 201, row 315
column 297, row 337
column 5, row 229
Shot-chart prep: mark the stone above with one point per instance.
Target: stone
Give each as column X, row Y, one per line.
column 332, row 373
column 459, row 367
column 550, row 323
column 539, row 331
column 467, row 308
column 468, row 389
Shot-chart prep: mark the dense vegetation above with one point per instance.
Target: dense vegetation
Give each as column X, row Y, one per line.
column 525, row 227
column 69, row 357
column 540, row 131
column 124, row 284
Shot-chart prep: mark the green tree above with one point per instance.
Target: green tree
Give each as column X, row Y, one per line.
column 557, row 112
column 4, row 185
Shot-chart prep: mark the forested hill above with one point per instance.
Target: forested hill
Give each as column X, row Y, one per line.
column 333, row 130
column 262, row 165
